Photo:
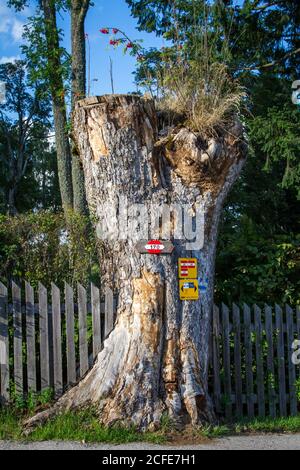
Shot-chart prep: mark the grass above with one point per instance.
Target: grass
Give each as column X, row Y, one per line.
column 85, row 427
column 289, row 425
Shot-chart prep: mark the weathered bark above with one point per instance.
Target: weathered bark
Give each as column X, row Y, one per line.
column 79, row 9
column 63, row 150
column 156, row 358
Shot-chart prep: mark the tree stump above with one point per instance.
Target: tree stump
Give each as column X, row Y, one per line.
column 156, row 358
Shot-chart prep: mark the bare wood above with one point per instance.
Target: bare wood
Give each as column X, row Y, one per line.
column 238, row 360
column 44, row 338
column 270, row 361
column 291, row 366
column 82, row 318
column 18, row 353
column 281, row 361
column 30, row 338
column 249, row 361
column 57, row 349
column 95, row 295
column 70, row 330
column 260, row 376
column 4, row 345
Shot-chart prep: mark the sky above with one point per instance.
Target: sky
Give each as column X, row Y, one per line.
column 105, row 13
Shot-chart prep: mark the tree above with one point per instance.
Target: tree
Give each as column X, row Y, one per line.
column 24, row 121
column 48, row 60
column 79, row 11
column 156, row 358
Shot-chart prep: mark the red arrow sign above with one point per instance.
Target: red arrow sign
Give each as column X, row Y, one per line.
column 154, row 247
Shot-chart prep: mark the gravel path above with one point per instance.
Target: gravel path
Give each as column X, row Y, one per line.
column 257, row 442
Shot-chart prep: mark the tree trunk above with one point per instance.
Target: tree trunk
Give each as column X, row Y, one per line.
column 156, row 359
column 63, row 150
column 79, row 11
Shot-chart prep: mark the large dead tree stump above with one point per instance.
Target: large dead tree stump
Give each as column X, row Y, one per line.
column 155, row 360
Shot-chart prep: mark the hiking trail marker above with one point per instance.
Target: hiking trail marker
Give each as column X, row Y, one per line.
column 155, row 247
column 187, row 268
column 188, row 282
column 189, row 289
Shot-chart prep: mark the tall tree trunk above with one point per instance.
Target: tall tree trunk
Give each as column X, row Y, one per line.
column 79, row 9
column 155, row 360
column 63, row 150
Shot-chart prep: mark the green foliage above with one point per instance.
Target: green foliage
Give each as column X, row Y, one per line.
column 39, row 248
column 261, row 269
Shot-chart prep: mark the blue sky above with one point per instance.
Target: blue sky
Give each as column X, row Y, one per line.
column 114, row 13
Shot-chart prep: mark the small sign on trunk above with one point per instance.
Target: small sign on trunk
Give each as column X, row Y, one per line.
column 155, row 247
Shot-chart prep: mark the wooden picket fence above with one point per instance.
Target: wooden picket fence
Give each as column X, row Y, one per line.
column 50, row 346
column 251, row 362
column 53, row 344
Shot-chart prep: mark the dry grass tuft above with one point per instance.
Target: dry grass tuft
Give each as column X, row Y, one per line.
column 206, row 96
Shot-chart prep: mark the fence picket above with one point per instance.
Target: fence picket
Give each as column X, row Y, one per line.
column 238, row 360
column 249, row 361
column 17, row 324
column 44, row 338
column 4, row 346
column 270, row 361
column 281, row 361
column 226, row 359
column 291, row 366
column 57, row 351
column 83, row 344
column 30, row 338
column 96, row 314
column 259, row 362
column 109, row 312
column 216, row 358
column 70, row 331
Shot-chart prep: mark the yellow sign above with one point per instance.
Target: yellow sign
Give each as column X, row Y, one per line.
column 187, row 268
column 189, row 289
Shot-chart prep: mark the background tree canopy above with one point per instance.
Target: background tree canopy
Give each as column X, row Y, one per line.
column 259, row 42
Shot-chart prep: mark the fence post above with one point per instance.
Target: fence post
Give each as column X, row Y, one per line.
column 44, row 338
column 238, row 360
column 259, row 362
column 216, row 358
column 4, row 346
column 18, row 352
column 226, row 358
column 281, row 361
column 83, row 345
column 30, row 338
column 270, row 361
column 70, row 330
column 96, row 314
column 57, row 350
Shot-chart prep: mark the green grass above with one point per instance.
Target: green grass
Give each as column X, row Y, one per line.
column 267, row 425
column 83, row 426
